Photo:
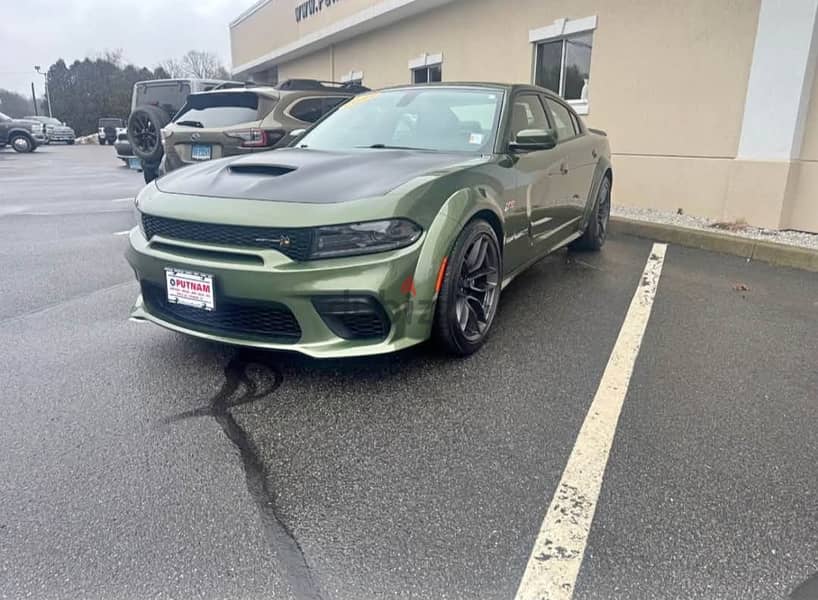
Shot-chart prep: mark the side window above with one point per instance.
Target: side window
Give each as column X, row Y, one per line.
column 308, row 110
column 527, row 113
column 563, row 122
column 331, row 102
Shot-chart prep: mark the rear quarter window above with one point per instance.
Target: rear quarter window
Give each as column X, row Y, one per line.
column 219, row 110
column 309, row 110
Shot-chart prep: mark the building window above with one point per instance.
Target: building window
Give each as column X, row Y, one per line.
column 353, row 77
column 427, row 74
column 562, row 61
column 427, row 68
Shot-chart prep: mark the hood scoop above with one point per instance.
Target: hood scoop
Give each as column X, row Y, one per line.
column 260, row 169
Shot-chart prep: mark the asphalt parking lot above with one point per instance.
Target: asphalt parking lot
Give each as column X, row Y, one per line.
column 138, row 463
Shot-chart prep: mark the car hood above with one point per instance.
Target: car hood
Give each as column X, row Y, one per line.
column 311, row 176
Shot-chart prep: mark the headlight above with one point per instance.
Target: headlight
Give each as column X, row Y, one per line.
column 363, row 238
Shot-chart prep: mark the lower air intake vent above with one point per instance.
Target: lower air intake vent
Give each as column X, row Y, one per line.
column 264, row 321
column 353, row 317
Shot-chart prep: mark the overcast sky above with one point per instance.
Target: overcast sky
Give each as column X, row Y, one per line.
column 38, row 32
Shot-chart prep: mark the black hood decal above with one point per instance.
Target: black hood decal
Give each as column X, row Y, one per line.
column 309, row 176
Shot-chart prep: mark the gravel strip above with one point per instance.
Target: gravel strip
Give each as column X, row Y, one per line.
column 792, row 238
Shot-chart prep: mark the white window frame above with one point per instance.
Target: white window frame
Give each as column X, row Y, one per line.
column 561, row 29
column 424, row 61
column 353, row 77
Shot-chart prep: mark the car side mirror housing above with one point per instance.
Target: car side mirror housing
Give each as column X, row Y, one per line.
column 529, row 140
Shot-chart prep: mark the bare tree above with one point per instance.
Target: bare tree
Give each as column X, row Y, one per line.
column 172, row 67
column 198, row 64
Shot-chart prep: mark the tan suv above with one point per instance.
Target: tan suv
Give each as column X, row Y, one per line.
column 228, row 122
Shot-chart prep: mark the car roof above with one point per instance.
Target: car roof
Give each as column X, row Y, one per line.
column 268, row 91
column 507, row 87
column 275, row 92
column 184, row 80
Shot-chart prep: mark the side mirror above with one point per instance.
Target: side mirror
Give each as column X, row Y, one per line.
column 529, row 140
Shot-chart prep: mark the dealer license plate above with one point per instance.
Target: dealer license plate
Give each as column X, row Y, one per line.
column 200, row 152
column 190, row 289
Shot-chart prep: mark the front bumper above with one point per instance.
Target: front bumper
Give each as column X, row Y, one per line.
column 267, row 276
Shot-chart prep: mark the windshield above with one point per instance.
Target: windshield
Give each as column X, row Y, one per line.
column 110, row 122
column 444, row 119
column 219, row 109
column 168, row 96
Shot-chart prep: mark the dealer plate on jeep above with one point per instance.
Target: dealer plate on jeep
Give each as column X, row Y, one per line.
column 200, row 152
column 190, row 289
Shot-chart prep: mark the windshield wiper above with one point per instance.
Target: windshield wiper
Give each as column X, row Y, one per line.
column 190, row 124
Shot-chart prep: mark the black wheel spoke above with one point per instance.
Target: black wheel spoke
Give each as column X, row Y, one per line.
column 478, row 287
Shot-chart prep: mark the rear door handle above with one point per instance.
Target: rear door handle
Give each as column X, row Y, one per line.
column 594, row 153
column 563, row 169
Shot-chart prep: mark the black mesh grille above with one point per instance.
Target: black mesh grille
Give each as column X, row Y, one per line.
column 267, row 321
column 364, row 326
column 295, row 243
column 353, row 317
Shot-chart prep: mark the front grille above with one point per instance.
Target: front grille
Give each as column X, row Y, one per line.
column 294, row 243
column 264, row 321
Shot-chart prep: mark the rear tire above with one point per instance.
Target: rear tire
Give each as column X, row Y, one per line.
column 470, row 293
column 596, row 232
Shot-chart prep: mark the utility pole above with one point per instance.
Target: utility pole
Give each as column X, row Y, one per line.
column 34, row 99
column 47, row 94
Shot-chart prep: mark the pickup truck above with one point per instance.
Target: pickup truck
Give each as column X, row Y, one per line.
column 21, row 134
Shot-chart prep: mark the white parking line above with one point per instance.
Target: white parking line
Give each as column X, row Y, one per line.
column 130, row 199
column 554, row 563
column 126, row 232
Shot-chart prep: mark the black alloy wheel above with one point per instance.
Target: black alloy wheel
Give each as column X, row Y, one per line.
column 470, row 292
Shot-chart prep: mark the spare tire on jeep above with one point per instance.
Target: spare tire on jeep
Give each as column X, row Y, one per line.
column 144, row 127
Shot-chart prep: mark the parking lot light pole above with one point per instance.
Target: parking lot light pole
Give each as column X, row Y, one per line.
column 47, row 93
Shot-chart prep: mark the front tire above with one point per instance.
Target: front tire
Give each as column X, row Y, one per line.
column 470, row 293
column 596, row 232
column 22, row 143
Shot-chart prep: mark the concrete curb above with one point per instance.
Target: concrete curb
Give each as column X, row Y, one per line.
column 777, row 254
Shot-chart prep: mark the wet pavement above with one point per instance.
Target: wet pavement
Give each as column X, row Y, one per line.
column 138, row 463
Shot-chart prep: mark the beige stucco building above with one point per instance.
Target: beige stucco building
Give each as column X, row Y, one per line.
column 711, row 105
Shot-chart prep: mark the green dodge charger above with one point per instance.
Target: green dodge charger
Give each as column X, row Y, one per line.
column 397, row 218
